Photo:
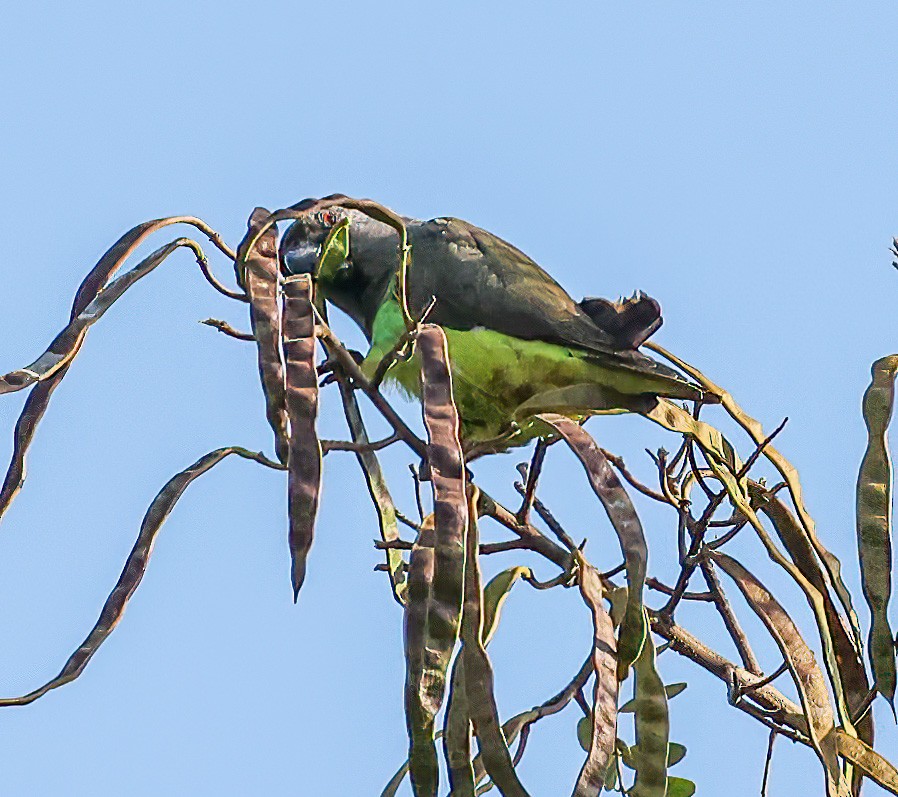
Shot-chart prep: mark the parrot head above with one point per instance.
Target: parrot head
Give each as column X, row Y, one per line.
column 360, row 283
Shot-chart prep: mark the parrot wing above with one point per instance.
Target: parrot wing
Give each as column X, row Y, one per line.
column 479, row 280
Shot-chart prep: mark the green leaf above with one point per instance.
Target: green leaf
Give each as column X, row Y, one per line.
column 494, row 595
column 584, row 733
column 334, row 251
column 611, row 777
column 672, row 690
column 675, row 753
column 618, row 599
column 680, row 787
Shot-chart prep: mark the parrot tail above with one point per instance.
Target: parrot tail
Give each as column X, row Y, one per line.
column 630, row 322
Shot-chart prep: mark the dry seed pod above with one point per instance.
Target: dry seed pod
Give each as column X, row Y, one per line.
column 805, row 672
column 261, row 274
column 457, row 728
column 134, row 570
column 802, row 553
column 67, row 343
column 420, row 704
column 39, row 397
column 304, row 450
column 622, row 514
column 604, row 712
column 434, row 614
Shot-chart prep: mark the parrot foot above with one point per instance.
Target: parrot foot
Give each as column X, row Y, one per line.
column 331, row 370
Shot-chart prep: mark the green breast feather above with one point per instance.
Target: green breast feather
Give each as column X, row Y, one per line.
column 494, row 374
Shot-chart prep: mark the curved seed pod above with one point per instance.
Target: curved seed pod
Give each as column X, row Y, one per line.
column 874, row 523
column 259, row 270
column 133, row 571
column 304, row 451
column 803, row 555
column 425, row 688
column 67, row 343
column 805, row 671
column 867, row 759
column 447, row 476
column 479, row 672
column 457, row 728
column 377, row 488
column 420, row 668
column 39, row 397
column 789, row 474
column 622, row 515
column 604, row 704
column 652, row 727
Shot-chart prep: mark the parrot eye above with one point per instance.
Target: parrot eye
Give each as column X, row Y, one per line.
column 329, row 217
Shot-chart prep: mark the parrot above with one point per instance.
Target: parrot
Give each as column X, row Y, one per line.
column 518, row 342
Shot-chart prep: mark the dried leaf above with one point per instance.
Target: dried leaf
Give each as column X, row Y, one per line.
column 652, row 727
column 604, row 703
column 39, row 397
column 261, row 273
column 626, row 524
column 802, row 665
column 133, row 572
column 874, row 523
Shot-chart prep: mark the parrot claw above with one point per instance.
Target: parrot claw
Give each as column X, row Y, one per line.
column 331, row 370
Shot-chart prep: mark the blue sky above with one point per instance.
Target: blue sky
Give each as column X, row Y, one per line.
column 738, row 162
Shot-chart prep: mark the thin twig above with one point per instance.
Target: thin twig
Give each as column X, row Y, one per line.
column 240, row 296
column 734, row 628
column 499, row 547
column 618, row 463
column 743, row 471
column 349, row 445
column 769, row 679
column 403, row 518
column 659, row 586
column 549, row 519
column 531, row 475
column 416, row 478
column 226, row 329
column 767, row 762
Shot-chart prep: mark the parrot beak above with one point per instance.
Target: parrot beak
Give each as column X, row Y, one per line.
column 301, row 257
